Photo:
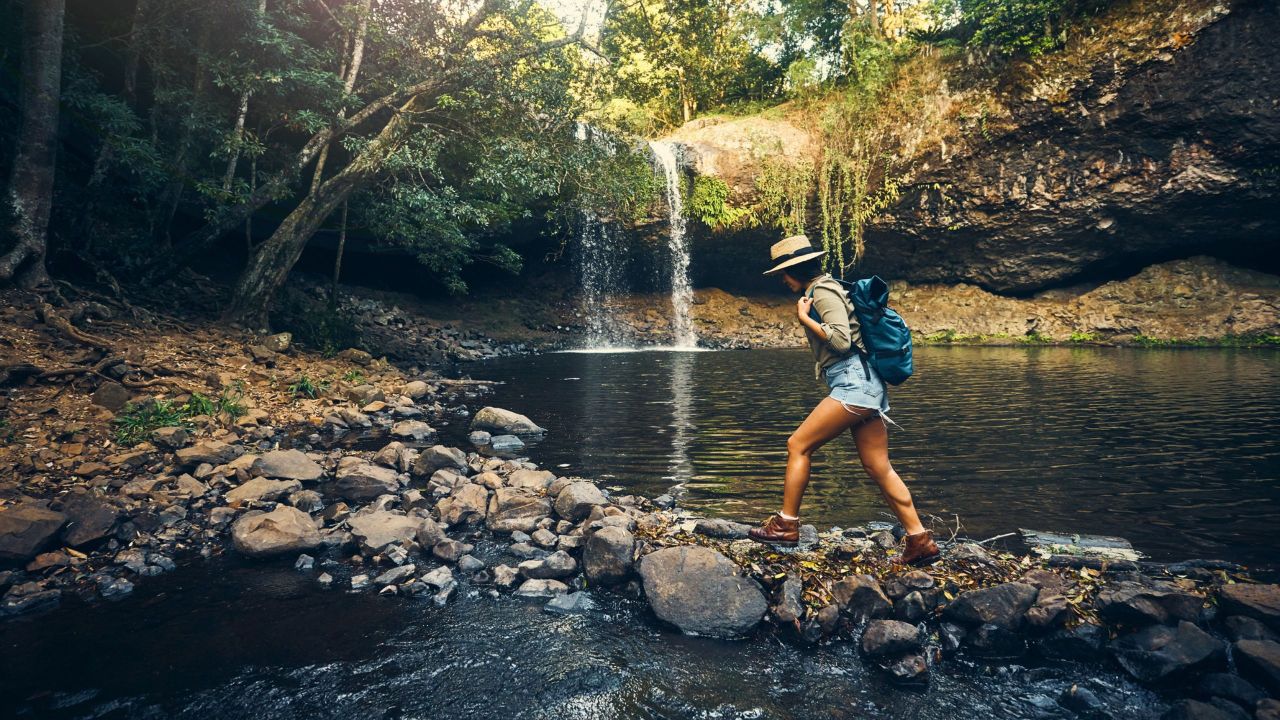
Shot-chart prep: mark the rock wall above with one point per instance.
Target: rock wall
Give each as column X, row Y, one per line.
column 1157, row 139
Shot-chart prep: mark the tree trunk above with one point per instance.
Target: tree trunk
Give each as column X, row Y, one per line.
column 31, row 180
column 337, row 259
column 270, row 265
column 238, row 133
column 875, row 19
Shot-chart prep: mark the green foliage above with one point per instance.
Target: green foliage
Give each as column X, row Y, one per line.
column 306, row 387
column 1083, row 337
column 355, row 377
column 1015, row 27
column 315, row 324
column 784, row 185
column 135, row 423
column 709, row 203
column 1034, row 338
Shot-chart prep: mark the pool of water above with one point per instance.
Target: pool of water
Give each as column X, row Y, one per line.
column 225, row 639
column 1176, row 450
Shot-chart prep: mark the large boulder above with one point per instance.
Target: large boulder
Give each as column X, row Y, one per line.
column 27, row 529
column 506, row 422
column 1259, row 660
column 361, row 482
column 516, row 509
column 1003, row 605
column 537, row 480
column 861, row 598
column 701, row 591
column 373, row 531
column 890, row 637
column 1145, row 602
column 214, row 452
column 439, row 457
column 1260, row 602
column 577, row 498
column 289, row 465
column 1158, row 651
column 283, row 530
column 607, row 555
column 89, row 520
column 260, row 489
column 467, row 505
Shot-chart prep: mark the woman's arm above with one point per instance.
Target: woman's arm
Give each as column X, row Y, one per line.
column 834, row 327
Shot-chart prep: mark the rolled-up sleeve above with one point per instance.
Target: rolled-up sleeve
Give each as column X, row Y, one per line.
column 835, row 317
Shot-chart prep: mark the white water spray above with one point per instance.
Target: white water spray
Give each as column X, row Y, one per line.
column 681, row 291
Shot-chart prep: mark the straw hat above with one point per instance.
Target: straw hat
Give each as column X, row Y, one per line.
column 791, row 251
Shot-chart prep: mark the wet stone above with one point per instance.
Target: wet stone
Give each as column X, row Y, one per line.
column 1195, row 710
column 1232, row 687
column 1259, row 660
column 1159, row 651
column 395, row 575
column 912, row 609
column 114, row 588
column 889, row 637
column 304, row 562
column 570, row 603
column 541, row 588
column 1082, row 642
column 359, row 582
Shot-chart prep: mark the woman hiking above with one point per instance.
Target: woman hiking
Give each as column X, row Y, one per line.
column 858, row 397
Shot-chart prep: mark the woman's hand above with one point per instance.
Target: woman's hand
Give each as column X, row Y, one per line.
column 802, row 307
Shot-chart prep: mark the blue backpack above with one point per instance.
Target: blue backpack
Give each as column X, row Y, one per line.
column 885, row 334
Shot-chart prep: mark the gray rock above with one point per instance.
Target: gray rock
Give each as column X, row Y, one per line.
column 701, row 591
column 970, row 553
column 1083, row 642
column 415, row 389
column 481, row 438
column 861, row 598
column 213, row 452
column 1259, row 660
column 439, row 457
column 412, row 430
column 541, row 588
column 1158, row 651
column 89, row 520
column 909, row 668
column 789, row 608
column 359, row 582
column 278, row 343
column 325, row 579
column 170, row 438
column 374, row 531
column 890, row 637
column 1004, row 605
column 365, row 394
column 516, row 509
column 27, row 529
column 505, row 445
column 395, row 575
column 289, row 465
column 558, row 564
column 283, row 530
column 543, row 537
column 260, row 489
column 470, row 563
column 570, row 604
column 505, row 576
column 1239, row 627
column 577, row 499
column 1194, row 710
column 304, row 562
column 440, row 577
column 912, row 608
column 607, row 555
column 1231, row 687
column 498, row 420
column 536, row 480
column 1260, row 602
column 28, row 597
column 1146, row 602
column 1083, row 702
column 308, row 501
column 114, row 588
column 467, row 505
column 718, row 528
column 429, row 532
column 901, row 584
column 995, row 641
column 112, row 396
column 450, row 550
column 362, row 482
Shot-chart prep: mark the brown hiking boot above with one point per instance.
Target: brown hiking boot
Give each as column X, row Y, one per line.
column 920, row 550
column 777, row 530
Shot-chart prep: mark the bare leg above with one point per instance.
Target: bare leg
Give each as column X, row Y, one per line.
column 827, row 420
column 873, row 449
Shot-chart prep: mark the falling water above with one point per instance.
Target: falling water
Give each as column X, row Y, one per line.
column 681, row 291
column 600, row 263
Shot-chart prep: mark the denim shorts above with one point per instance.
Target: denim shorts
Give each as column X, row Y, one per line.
column 856, row 383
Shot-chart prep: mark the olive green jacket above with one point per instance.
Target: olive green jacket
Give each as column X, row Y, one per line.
column 838, row 321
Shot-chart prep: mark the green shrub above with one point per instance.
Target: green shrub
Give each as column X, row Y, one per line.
column 709, row 203
column 137, row 421
column 306, row 387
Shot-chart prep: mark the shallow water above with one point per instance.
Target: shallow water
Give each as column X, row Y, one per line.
column 228, row 640
column 1176, row 450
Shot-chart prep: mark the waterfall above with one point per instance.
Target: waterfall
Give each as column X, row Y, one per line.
column 601, row 265
column 681, row 291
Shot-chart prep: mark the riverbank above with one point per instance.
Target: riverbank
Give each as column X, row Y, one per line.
column 332, row 465
column 1198, row 302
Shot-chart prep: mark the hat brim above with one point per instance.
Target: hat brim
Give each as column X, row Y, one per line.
column 794, row 261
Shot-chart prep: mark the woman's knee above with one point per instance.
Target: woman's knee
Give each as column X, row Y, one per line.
column 877, row 468
column 798, row 445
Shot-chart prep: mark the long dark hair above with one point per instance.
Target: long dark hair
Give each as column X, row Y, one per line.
column 805, row 271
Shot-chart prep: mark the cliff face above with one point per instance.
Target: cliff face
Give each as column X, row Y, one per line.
column 1155, row 140
column 1177, row 155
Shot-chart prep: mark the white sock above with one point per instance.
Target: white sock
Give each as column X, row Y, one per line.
column 785, row 516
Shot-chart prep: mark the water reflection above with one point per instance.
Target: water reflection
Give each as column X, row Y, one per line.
column 1174, row 449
